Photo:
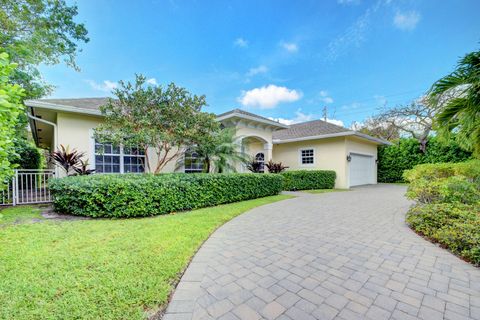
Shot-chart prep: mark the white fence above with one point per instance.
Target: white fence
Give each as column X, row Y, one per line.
column 27, row 186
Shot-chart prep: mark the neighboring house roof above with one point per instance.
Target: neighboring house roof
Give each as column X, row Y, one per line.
column 242, row 114
column 318, row 129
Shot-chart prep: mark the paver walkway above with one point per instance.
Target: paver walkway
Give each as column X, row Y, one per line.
column 342, row 255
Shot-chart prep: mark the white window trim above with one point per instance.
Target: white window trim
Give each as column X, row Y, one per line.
column 93, row 164
column 185, row 168
column 300, row 162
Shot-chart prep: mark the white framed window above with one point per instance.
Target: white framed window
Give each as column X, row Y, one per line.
column 118, row 159
column 133, row 160
column 307, row 156
column 260, row 158
column 192, row 163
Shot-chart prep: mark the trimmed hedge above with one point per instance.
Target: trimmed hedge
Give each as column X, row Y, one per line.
column 308, row 179
column 139, row 195
column 393, row 160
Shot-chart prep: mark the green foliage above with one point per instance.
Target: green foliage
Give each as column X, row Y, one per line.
column 457, row 96
column 275, row 167
column 219, row 149
column 308, row 179
column 10, row 108
column 393, row 160
column 38, row 32
column 26, row 155
column 156, row 118
column 100, row 268
column 136, row 195
column 448, row 205
column 455, row 226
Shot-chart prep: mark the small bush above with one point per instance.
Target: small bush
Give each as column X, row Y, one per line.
column 26, row 156
column 308, row 179
column 136, row 195
column 455, row 226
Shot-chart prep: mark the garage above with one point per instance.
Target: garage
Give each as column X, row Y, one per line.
column 362, row 169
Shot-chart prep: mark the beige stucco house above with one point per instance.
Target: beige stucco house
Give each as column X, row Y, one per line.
column 304, row 146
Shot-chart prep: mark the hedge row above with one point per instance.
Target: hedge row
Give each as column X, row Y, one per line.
column 404, row 154
column 132, row 195
column 308, row 179
column 448, row 205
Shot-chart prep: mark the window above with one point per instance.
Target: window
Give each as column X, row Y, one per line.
column 107, row 158
column 260, row 158
column 116, row 159
column 133, row 160
column 307, row 156
column 192, row 162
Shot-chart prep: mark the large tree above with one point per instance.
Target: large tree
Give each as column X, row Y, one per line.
column 414, row 119
column 35, row 32
column 10, row 108
column 376, row 127
column 457, row 96
column 155, row 118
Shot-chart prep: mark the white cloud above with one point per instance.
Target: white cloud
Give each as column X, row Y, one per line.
column 289, row 46
column 240, row 42
column 325, row 97
column 355, row 34
column 303, row 117
column 254, row 71
column 336, row 121
column 406, row 21
column 299, row 117
column 152, row 81
column 268, row 97
column 105, row 86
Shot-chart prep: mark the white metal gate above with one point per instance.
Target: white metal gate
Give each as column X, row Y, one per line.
column 27, row 186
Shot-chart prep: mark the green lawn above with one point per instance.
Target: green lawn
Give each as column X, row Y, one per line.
column 92, row 269
column 324, row 190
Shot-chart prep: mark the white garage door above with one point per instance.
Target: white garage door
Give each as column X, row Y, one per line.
column 362, row 169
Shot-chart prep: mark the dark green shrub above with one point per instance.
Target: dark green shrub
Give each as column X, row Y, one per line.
column 26, row 156
column 136, row 195
column 393, row 160
column 455, row 226
column 308, row 179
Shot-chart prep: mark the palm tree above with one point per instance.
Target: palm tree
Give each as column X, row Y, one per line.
column 457, row 97
column 219, row 151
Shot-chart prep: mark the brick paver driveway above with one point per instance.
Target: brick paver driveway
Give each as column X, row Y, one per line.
column 343, row 255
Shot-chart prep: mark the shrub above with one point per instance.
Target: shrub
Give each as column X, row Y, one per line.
column 275, row 167
column 393, row 160
column 455, row 226
column 308, row 179
column 135, row 195
column 445, row 182
column 26, row 155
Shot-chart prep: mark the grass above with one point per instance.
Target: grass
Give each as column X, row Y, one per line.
column 108, row 269
column 18, row 215
column 324, row 190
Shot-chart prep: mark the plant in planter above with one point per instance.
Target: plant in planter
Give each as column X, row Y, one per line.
column 275, row 167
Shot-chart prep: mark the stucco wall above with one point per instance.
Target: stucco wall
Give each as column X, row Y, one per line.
column 76, row 131
column 330, row 154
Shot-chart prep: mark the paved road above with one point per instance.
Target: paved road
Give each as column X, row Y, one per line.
column 342, row 255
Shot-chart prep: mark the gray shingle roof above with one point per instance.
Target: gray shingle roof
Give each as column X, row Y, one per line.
column 82, row 103
column 308, row 129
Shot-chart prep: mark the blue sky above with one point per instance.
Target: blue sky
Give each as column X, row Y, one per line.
column 281, row 59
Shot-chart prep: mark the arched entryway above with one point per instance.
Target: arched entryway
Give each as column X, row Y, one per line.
column 257, row 148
